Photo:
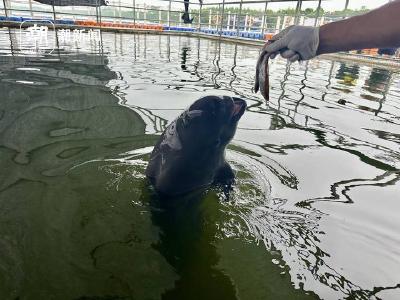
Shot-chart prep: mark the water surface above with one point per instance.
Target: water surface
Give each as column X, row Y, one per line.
column 313, row 214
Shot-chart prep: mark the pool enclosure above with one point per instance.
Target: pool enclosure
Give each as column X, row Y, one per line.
column 249, row 20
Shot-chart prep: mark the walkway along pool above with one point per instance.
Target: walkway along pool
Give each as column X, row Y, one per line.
column 313, row 215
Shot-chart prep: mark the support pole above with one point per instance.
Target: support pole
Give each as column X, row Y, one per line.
column 5, row 8
column 54, row 14
column 318, row 13
column 222, row 16
column 216, row 21
column 200, row 16
column 134, row 11
column 97, row 12
column 262, row 23
column 73, row 11
column 238, row 18
column 209, row 19
column 169, row 14
column 346, row 6
column 30, row 7
column 119, row 11
column 101, row 34
column 101, row 38
column 54, row 26
column 228, row 23
column 298, row 11
column 264, row 20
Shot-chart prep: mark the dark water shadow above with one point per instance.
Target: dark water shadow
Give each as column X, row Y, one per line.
column 186, row 241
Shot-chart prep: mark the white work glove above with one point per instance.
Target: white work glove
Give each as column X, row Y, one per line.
column 295, row 43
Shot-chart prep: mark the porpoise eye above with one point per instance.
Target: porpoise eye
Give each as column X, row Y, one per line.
column 171, row 129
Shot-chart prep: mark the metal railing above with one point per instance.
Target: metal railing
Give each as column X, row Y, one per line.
column 233, row 17
column 210, row 15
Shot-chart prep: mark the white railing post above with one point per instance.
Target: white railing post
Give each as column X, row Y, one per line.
column 284, row 22
column 278, row 24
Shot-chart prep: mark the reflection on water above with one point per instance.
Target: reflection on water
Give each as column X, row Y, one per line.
column 187, row 241
column 313, row 213
column 379, row 81
column 348, row 74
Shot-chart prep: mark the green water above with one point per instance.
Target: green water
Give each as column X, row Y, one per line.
column 313, row 214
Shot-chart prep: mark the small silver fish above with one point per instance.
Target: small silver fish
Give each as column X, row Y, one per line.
column 262, row 73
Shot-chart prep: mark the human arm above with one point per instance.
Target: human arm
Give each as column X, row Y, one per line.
column 379, row 28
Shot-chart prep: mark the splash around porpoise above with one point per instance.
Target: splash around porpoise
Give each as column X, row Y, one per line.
column 190, row 154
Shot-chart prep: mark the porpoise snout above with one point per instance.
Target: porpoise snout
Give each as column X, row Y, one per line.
column 231, row 108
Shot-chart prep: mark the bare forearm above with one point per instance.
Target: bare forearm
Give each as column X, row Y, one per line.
column 379, row 28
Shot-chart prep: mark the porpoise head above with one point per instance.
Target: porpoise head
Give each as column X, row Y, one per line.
column 191, row 150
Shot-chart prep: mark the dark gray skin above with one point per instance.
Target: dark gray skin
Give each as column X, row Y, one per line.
column 190, row 154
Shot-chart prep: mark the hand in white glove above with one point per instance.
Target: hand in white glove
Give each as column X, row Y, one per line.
column 295, row 43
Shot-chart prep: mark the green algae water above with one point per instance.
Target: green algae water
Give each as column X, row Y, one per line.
column 314, row 213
